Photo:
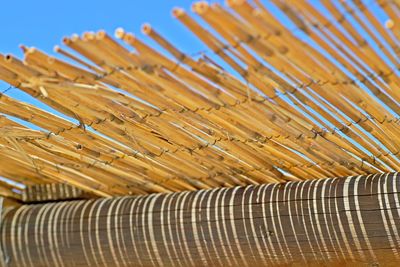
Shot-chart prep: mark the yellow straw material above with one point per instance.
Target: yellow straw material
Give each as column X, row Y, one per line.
column 269, row 102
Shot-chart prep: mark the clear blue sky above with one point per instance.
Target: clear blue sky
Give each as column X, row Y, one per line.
column 42, row 23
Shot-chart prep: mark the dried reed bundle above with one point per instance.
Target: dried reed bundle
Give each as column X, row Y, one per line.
column 322, row 105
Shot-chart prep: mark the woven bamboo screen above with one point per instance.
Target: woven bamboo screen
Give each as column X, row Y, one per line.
column 289, row 91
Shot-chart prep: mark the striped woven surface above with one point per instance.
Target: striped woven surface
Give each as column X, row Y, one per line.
column 353, row 221
column 52, row 192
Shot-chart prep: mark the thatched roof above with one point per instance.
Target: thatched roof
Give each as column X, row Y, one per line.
column 311, row 94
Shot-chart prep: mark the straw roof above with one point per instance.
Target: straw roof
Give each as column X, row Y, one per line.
column 269, row 104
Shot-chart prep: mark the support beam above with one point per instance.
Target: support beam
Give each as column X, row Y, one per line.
column 329, row 222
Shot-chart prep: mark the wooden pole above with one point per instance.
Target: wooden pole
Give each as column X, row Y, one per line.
column 320, row 222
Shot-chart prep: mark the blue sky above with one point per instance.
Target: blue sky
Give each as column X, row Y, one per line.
column 43, row 23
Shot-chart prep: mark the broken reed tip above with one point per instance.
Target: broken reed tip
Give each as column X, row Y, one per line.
column 30, row 50
column 23, row 48
column 200, row 7
column 129, row 37
column 146, row 28
column 389, row 24
column 119, row 33
column 177, row 12
column 101, row 34
column 74, row 37
column 88, row 36
column 126, row 36
column 56, row 48
column 66, row 40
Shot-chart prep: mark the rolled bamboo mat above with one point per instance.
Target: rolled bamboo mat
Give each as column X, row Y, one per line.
column 286, row 91
column 352, row 221
column 37, row 193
